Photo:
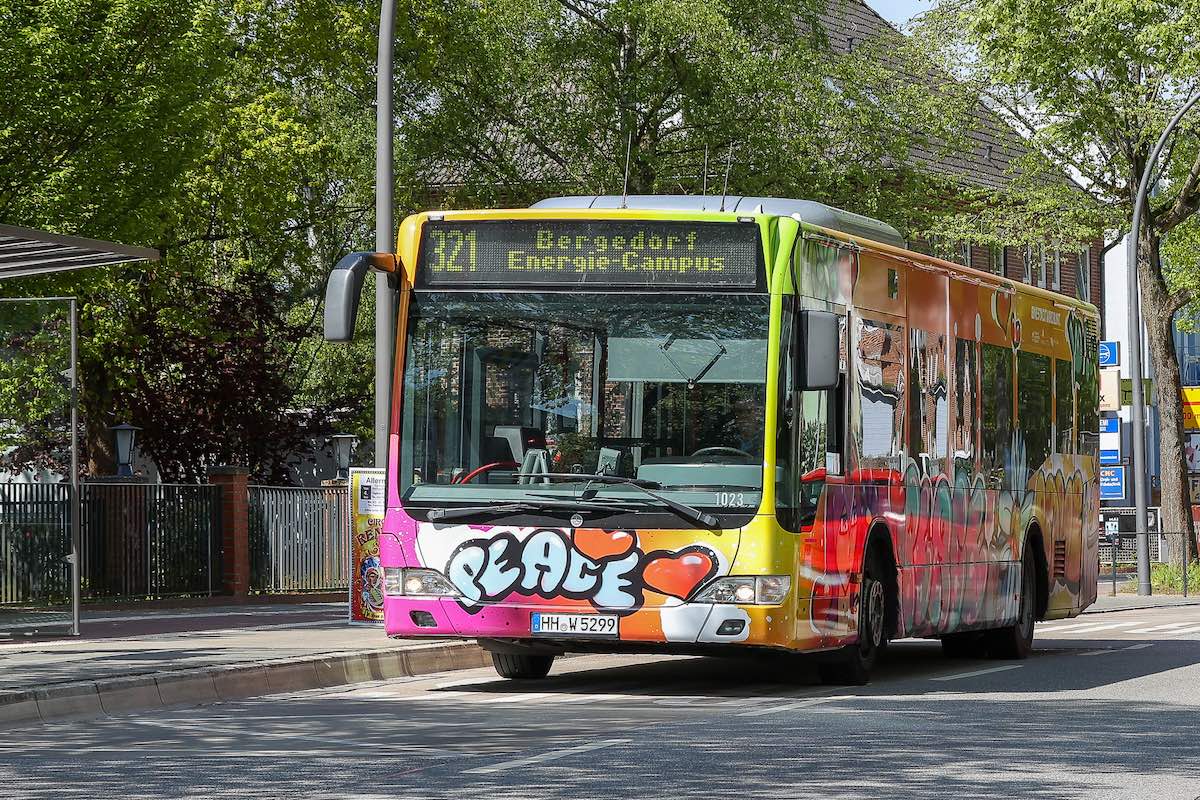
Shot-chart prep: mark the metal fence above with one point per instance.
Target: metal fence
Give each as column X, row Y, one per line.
column 1126, row 547
column 150, row 540
column 35, row 541
column 298, row 538
column 1121, row 548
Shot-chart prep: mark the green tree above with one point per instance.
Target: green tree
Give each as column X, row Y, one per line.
column 510, row 100
column 1092, row 85
column 225, row 135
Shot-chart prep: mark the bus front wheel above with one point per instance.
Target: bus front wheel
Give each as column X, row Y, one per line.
column 521, row 666
column 852, row 664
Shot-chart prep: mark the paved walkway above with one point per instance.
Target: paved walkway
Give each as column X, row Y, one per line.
column 1127, row 602
column 117, row 644
column 130, row 661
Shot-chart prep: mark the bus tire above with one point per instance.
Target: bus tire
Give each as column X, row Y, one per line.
column 520, row 666
column 1016, row 641
column 852, row 665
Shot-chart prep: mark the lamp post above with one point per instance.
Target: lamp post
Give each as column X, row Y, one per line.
column 124, row 436
column 385, row 295
column 1137, row 412
column 343, row 443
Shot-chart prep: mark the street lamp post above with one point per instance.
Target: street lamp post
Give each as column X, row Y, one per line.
column 343, row 443
column 1137, row 412
column 124, row 435
column 385, row 295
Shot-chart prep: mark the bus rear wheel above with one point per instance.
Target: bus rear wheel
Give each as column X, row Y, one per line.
column 852, row 665
column 520, row 666
column 1016, row 641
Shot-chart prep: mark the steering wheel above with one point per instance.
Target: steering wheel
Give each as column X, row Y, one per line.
column 713, row 451
column 486, row 468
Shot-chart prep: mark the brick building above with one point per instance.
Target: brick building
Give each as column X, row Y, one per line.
column 987, row 165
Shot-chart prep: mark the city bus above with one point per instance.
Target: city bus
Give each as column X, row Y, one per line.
column 651, row 425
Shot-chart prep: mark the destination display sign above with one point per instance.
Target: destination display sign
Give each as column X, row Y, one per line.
column 595, row 253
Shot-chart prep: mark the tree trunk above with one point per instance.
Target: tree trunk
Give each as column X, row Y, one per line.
column 1157, row 314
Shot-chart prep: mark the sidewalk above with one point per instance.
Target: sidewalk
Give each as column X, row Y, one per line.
column 132, row 661
column 1131, row 602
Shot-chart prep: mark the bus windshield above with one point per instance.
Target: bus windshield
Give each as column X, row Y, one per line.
column 502, row 387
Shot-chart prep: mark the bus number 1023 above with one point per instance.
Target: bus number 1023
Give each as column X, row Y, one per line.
column 446, row 249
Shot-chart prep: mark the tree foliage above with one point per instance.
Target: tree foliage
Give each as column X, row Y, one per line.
column 227, row 136
column 1092, row 84
column 510, row 100
column 235, row 136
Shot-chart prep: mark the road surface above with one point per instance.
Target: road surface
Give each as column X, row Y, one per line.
column 1108, row 707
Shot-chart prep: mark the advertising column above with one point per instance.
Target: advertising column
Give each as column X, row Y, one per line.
column 366, row 519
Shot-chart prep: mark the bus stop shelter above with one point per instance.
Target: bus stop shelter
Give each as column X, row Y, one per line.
column 26, row 252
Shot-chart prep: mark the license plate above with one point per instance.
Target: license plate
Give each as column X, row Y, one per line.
column 573, row 624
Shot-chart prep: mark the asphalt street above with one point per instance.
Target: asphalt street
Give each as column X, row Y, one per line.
column 1108, row 707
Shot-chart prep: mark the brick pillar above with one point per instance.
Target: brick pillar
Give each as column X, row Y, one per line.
column 235, row 528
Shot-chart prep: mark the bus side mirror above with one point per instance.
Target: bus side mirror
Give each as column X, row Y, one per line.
column 817, row 348
column 344, row 290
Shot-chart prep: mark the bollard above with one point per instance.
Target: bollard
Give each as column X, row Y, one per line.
column 1114, row 539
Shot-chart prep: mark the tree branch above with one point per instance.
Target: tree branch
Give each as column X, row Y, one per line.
column 1185, row 203
column 1180, row 299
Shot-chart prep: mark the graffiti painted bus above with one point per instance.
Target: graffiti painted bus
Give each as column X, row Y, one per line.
column 650, row 426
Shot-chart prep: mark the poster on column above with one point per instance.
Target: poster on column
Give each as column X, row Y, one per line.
column 366, row 519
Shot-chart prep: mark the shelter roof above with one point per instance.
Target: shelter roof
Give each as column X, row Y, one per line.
column 26, row 251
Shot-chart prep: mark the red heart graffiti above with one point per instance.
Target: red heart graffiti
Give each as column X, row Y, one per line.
column 597, row 544
column 678, row 574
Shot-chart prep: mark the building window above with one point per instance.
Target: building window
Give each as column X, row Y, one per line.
column 1083, row 275
column 965, row 253
column 1056, row 282
column 997, row 254
column 1028, row 259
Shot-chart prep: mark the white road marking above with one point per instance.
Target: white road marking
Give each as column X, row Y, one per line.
column 1107, row 650
column 779, row 709
column 1166, row 627
column 553, row 755
column 515, row 698
column 1091, row 628
column 1186, row 632
column 590, row 698
column 975, row 673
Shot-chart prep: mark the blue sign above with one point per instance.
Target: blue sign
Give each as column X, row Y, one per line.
column 1112, row 483
column 1110, row 354
column 1110, row 424
column 1110, row 456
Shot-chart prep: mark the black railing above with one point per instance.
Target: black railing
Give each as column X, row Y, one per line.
column 35, row 541
column 1121, row 548
column 150, row 540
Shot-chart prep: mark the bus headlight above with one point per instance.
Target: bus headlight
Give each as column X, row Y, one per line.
column 410, row 582
column 763, row 590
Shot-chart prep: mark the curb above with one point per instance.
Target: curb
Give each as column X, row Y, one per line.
column 1144, row 606
column 191, row 687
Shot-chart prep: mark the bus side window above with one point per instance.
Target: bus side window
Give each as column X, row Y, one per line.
column 997, row 413
column 878, row 412
column 1064, row 415
column 966, row 408
column 835, row 443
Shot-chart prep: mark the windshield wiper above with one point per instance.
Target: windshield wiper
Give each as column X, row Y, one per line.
column 523, row 506
column 689, row 513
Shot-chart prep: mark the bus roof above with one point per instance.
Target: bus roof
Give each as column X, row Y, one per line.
column 807, row 210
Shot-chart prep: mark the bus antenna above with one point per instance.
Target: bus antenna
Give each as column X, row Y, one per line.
column 704, row 183
column 625, row 187
column 725, row 188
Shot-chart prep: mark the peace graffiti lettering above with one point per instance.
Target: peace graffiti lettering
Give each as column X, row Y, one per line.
column 602, row 567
